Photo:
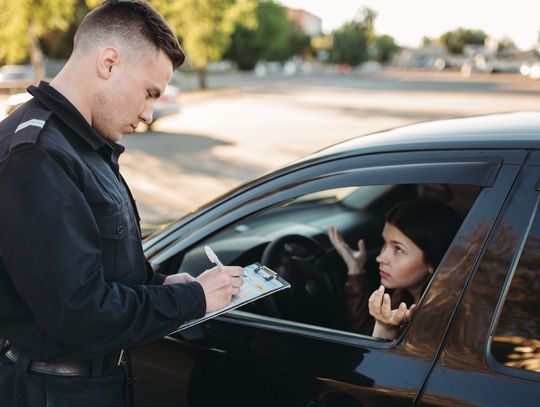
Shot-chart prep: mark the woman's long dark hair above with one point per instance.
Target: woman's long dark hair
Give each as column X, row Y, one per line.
column 431, row 225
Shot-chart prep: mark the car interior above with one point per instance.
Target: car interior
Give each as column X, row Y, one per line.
column 291, row 239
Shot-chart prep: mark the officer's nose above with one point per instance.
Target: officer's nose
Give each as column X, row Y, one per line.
column 146, row 115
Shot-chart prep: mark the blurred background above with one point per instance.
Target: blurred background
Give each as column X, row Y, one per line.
column 267, row 82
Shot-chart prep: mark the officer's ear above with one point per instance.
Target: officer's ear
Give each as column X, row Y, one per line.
column 108, row 60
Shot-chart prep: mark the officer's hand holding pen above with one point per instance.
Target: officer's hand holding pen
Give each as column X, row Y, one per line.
column 220, row 283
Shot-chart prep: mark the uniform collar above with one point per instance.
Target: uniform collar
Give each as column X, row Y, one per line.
column 65, row 111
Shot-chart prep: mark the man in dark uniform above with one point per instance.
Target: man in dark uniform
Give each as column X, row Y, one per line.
column 75, row 288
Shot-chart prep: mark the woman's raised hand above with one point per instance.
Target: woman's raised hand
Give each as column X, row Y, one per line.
column 354, row 259
column 387, row 320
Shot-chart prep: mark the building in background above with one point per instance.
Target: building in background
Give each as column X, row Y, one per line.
column 309, row 23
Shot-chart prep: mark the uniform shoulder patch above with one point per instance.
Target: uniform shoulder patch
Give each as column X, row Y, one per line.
column 29, row 128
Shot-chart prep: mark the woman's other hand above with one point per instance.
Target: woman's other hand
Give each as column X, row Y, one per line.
column 354, row 259
column 387, row 320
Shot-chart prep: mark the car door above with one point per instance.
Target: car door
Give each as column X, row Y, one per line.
column 254, row 360
column 492, row 353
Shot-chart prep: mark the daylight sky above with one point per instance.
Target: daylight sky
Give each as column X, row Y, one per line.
column 409, row 20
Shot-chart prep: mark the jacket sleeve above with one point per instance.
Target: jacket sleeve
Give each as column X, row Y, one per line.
column 53, row 255
column 153, row 277
column 357, row 295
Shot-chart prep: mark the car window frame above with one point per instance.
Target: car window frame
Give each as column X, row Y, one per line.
column 189, row 230
column 490, row 360
column 462, row 356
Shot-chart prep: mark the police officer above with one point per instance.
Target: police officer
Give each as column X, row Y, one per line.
column 75, row 288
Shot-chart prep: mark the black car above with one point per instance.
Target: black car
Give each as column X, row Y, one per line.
column 475, row 336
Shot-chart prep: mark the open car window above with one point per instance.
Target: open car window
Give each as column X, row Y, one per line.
column 291, row 238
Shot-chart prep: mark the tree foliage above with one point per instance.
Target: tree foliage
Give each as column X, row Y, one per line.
column 352, row 40
column 350, row 44
column 428, row 41
column 385, row 48
column 23, row 22
column 271, row 38
column 59, row 44
column 505, row 45
column 204, row 27
column 454, row 41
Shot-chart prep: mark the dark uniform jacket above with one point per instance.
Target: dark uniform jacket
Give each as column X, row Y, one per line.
column 74, row 283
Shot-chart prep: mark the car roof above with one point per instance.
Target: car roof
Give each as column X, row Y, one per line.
column 517, row 130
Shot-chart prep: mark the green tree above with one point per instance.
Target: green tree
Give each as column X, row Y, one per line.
column 204, row 27
column 350, row 44
column 505, row 45
column 300, row 44
column 427, row 41
column 24, row 22
column 385, row 48
column 272, row 38
column 455, row 41
column 59, row 44
column 367, row 17
column 244, row 50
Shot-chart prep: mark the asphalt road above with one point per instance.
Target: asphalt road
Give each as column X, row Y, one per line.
column 247, row 126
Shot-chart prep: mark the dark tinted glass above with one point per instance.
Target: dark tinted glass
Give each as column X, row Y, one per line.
column 516, row 342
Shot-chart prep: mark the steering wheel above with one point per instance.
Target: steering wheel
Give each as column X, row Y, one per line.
column 316, row 294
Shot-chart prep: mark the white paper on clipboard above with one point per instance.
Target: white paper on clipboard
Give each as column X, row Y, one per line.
column 259, row 281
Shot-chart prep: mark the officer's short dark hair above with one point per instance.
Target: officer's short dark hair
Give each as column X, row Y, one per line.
column 132, row 21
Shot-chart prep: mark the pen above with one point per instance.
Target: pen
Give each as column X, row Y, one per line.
column 212, row 256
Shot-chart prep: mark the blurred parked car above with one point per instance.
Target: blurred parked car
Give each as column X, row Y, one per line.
column 166, row 105
column 534, row 72
column 531, row 69
column 501, row 65
column 14, row 101
column 478, row 64
column 474, row 339
column 263, row 68
column 15, row 78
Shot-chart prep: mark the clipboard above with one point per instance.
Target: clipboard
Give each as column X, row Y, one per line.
column 259, row 281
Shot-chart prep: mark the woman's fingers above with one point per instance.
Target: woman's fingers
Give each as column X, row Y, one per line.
column 335, row 238
column 409, row 313
column 361, row 246
column 375, row 302
column 386, row 308
column 380, row 308
column 332, row 234
column 399, row 316
column 343, row 249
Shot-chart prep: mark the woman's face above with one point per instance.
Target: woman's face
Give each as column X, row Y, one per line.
column 401, row 262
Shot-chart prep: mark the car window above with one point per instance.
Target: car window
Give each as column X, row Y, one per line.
column 292, row 239
column 516, row 339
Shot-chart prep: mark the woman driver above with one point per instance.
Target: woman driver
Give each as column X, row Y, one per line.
column 416, row 236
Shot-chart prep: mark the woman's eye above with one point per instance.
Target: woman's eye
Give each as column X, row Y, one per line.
column 397, row 249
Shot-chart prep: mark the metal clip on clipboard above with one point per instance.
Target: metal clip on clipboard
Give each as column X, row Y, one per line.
column 265, row 272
